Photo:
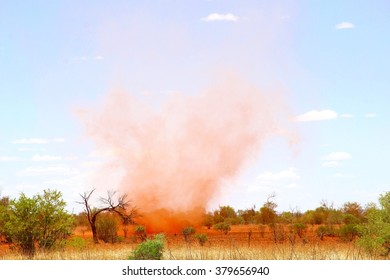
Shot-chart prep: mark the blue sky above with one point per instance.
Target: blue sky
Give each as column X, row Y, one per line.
column 331, row 57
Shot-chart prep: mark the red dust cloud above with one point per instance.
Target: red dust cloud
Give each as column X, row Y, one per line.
column 172, row 160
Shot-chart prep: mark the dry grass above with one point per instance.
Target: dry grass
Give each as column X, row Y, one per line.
column 193, row 251
column 267, row 252
column 234, row 246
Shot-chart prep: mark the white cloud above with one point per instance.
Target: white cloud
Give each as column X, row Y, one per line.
column 220, row 17
column 331, row 164
column 315, row 115
column 31, row 141
column 25, row 149
column 39, row 157
column 59, row 140
column 9, row 158
column 344, row 25
column 50, row 170
column 337, row 156
column 288, row 174
column 99, row 57
column 370, row 115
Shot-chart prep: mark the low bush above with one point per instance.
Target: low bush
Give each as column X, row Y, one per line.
column 107, row 229
column 202, row 238
column 223, row 226
column 151, row 249
column 323, row 231
column 140, row 231
column 348, row 232
column 76, row 242
column 187, row 232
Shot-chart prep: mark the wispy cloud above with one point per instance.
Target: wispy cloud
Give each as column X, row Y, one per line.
column 31, row 141
column 49, row 170
column 39, row 157
column 8, row 158
column 59, row 140
column 337, row 156
column 344, row 25
column 370, row 115
column 315, row 115
column 220, row 17
column 25, row 149
column 334, row 159
column 276, row 181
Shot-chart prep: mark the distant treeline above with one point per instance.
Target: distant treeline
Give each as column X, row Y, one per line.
column 42, row 221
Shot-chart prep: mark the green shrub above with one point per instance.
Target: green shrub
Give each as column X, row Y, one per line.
column 223, row 226
column 187, row 232
column 41, row 220
column 140, row 231
column 375, row 233
column 299, row 229
column 277, row 232
column 107, row 229
column 323, row 231
column 76, row 242
column 348, row 232
column 202, row 238
column 151, row 249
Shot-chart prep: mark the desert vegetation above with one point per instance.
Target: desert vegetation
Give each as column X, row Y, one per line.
column 39, row 227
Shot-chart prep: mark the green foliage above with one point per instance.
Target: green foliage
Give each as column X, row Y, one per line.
column 375, row 233
column 226, row 214
column 278, row 233
column 202, row 238
column 247, row 216
column 107, row 228
column 286, row 218
column 314, row 217
column 354, row 209
column 208, row 220
column 140, row 231
column 348, row 232
column 151, row 249
column 350, row 219
column 76, row 242
column 40, row 220
column 187, row 232
column 323, row 231
column 299, row 229
column 267, row 211
column 223, row 226
column 4, row 216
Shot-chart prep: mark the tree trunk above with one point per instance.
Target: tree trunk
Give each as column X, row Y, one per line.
column 94, row 233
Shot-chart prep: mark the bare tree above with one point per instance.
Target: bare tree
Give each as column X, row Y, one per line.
column 120, row 206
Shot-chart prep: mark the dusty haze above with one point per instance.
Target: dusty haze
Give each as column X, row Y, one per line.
column 171, row 160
